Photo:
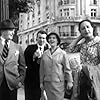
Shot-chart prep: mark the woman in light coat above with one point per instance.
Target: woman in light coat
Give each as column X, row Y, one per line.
column 55, row 70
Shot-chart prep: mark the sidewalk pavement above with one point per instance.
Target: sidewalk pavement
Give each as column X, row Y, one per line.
column 21, row 94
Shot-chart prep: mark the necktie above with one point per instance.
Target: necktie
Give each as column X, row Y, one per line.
column 40, row 48
column 5, row 51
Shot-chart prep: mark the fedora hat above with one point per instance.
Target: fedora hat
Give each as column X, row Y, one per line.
column 7, row 24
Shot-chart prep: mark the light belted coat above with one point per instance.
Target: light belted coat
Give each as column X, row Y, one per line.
column 14, row 66
column 55, row 67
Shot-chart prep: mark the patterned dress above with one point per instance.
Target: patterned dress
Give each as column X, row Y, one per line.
column 89, row 76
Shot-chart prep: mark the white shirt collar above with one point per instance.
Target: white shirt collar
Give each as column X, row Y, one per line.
column 3, row 41
column 42, row 47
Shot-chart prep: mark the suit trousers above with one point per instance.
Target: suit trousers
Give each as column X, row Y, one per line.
column 32, row 93
column 6, row 93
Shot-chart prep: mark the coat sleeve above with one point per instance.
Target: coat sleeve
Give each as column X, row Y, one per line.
column 67, row 69
column 27, row 55
column 22, row 65
column 41, row 71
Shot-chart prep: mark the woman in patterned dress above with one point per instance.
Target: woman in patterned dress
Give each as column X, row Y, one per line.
column 89, row 77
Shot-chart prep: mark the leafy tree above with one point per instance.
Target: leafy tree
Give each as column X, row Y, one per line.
column 17, row 6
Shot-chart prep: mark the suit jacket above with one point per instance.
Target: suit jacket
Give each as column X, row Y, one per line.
column 55, row 67
column 32, row 79
column 14, row 67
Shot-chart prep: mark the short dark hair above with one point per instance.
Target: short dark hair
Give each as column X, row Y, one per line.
column 42, row 32
column 94, row 26
column 57, row 36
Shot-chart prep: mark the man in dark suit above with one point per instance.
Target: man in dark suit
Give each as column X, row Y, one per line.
column 12, row 63
column 33, row 55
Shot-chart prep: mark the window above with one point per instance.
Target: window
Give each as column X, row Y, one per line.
column 60, row 12
column 67, row 30
column 33, row 15
column 72, row 1
column 67, row 12
column 72, row 30
column 47, row 7
column 38, row 20
column 39, row 9
column 28, row 18
column 33, row 23
column 27, row 24
column 46, row 30
column 60, row 2
column 32, row 40
column 27, row 40
column 63, row 30
column 21, row 21
column 39, row 12
column 59, row 29
column 72, row 12
column 93, row 12
column 66, row 1
column 94, row 1
column 47, row 4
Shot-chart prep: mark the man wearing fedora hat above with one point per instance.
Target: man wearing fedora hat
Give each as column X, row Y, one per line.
column 12, row 62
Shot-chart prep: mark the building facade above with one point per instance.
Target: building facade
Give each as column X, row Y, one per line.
column 4, row 9
column 61, row 16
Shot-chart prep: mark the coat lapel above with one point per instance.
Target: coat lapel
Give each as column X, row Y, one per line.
column 1, row 47
column 48, row 53
column 46, row 47
column 12, row 50
column 54, row 54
